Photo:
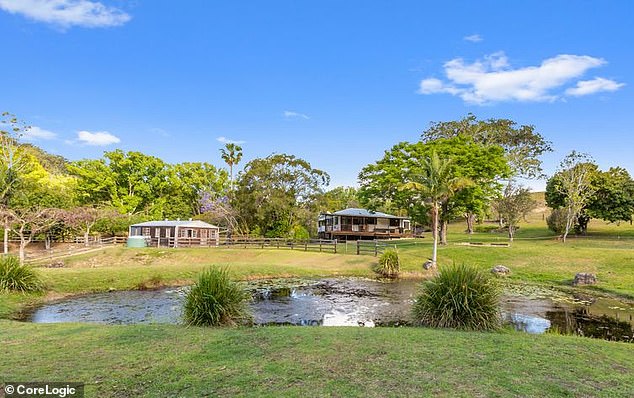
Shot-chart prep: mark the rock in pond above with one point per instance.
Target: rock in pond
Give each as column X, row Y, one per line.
column 500, row 270
column 584, row 278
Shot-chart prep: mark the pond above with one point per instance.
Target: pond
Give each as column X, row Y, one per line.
column 349, row 302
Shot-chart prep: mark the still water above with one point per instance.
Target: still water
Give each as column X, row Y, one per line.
column 349, row 302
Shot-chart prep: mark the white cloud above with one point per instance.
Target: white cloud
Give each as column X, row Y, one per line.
column 473, row 38
column 595, row 85
column 98, row 138
column 492, row 79
column 67, row 13
column 226, row 140
column 295, row 115
column 35, row 133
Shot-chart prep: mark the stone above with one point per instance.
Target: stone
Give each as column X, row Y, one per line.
column 428, row 264
column 56, row 264
column 500, row 270
column 584, row 278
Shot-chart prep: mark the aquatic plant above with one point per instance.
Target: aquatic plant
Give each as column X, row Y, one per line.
column 389, row 265
column 459, row 297
column 216, row 300
column 18, row 277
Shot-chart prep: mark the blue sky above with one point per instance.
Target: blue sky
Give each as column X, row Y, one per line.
column 334, row 82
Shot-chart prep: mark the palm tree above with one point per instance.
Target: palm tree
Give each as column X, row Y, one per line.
column 437, row 184
column 231, row 154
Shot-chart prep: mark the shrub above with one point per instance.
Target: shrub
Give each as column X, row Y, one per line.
column 216, row 300
column 557, row 221
column 459, row 297
column 389, row 265
column 486, row 228
column 17, row 277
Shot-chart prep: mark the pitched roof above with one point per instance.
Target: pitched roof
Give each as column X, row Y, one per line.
column 177, row 223
column 364, row 213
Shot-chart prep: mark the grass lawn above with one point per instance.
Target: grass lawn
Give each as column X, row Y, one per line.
column 166, row 361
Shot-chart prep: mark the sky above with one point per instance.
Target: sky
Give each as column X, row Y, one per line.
column 333, row 82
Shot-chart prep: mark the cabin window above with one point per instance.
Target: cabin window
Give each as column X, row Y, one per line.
column 370, row 221
column 394, row 222
column 157, row 232
column 146, row 231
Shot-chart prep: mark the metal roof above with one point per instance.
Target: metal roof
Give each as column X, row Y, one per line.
column 364, row 213
column 177, row 223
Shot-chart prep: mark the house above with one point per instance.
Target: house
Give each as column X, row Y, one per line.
column 177, row 233
column 356, row 224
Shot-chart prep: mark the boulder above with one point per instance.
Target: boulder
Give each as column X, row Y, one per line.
column 428, row 264
column 584, row 278
column 500, row 270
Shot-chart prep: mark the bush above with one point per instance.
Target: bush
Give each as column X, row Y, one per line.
column 459, row 297
column 216, row 300
column 557, row 221
column 17, row 277
column 389, row 265
column 486, row 228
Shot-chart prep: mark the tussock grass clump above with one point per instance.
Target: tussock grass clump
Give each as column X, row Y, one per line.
column 389, row 265
column 459, row 297
column 216, row 300
column 18, row 277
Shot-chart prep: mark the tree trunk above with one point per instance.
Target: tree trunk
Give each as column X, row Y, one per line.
column 569, row 222
column 511, row 232
column 86, row 235
column 443, row 232
column 434, row 229
column 470, row 217
column 23, row 244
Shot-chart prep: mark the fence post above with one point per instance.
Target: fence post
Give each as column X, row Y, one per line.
column 335, row 246
column 358, row 247
column 376, row 248
column 320, row 245
column 306, row 246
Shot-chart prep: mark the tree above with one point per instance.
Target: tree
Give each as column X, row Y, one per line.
column 27, row 223
column 218, row 210
column 280, row 191
column 11, row 165
column 612, row 197
column 513, row 206
column 340, row 198
column 188, row 181
column 436, row 183
column 232, row 155
column 85, row 217
column 484, row 165
column 573, row 184
column 522, row 144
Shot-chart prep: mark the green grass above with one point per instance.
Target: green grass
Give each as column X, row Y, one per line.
column 166, row 361
column 607, row 252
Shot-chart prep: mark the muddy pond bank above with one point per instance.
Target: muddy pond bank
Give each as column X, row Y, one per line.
column 349, row 302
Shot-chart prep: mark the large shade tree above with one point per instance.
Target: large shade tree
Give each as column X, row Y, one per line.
column 380, row 182
column 278, row 193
